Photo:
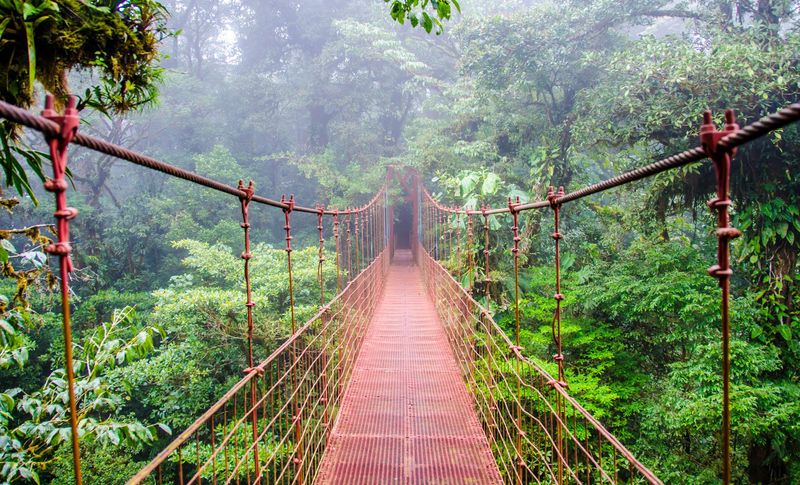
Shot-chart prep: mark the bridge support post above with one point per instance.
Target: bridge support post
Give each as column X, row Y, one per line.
column 721, row 158
column 336, row 248
column 323, row 321
column 470, row 256
column 58, row 145
column 347, row 246
column 245, row 198
column 458, row 239
column 552, row 198
column 512, row 207
column 296, row 415
column 487, row 281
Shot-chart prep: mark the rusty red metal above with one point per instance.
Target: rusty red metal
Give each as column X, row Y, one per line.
column 470, row 251
column 407, row 417
column 321, row 255
column 336, row 243
column 349, row 249
column 552, row 197
column 520, row 462
column 297, row 417
column 721, row 158
column 245, row 199
column 59, row 145
column 487, row 280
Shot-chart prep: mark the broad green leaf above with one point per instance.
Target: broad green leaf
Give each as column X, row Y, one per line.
column 783, row 228
column 29, row 10
column 3, row 25
column 31, row 55
column 490, row 184
column 468, row 183
column 427, row 22
column 786, row 332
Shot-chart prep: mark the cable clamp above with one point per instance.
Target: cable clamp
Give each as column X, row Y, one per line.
column 289, row 203
column 710, row 136
column 68, row 122
column 553, row 196
column 246, row 192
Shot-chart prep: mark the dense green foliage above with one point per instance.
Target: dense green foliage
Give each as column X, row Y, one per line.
column 317, row 99
column 43, row 40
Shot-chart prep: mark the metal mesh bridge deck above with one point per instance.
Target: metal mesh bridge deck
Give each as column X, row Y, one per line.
column 407, row 416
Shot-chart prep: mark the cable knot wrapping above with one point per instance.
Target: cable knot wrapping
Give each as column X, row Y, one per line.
column 721, row 203
column 728, row 232
column 59, row 249
column 55, row 185
column 553, row 197
column 67, row 213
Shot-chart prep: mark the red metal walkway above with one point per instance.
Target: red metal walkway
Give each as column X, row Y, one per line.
column 407, row 416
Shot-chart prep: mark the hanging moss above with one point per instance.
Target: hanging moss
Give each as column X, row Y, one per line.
column 8, row 204
column 118, row 39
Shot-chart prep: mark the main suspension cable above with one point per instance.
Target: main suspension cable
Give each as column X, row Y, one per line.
column 51, row 129
column 758, row 129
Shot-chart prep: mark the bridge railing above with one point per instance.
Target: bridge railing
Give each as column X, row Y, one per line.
column 517, row 403
column 538, row 432
column 273, row 425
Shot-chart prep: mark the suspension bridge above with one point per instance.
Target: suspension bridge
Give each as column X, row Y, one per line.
column 402, row 376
